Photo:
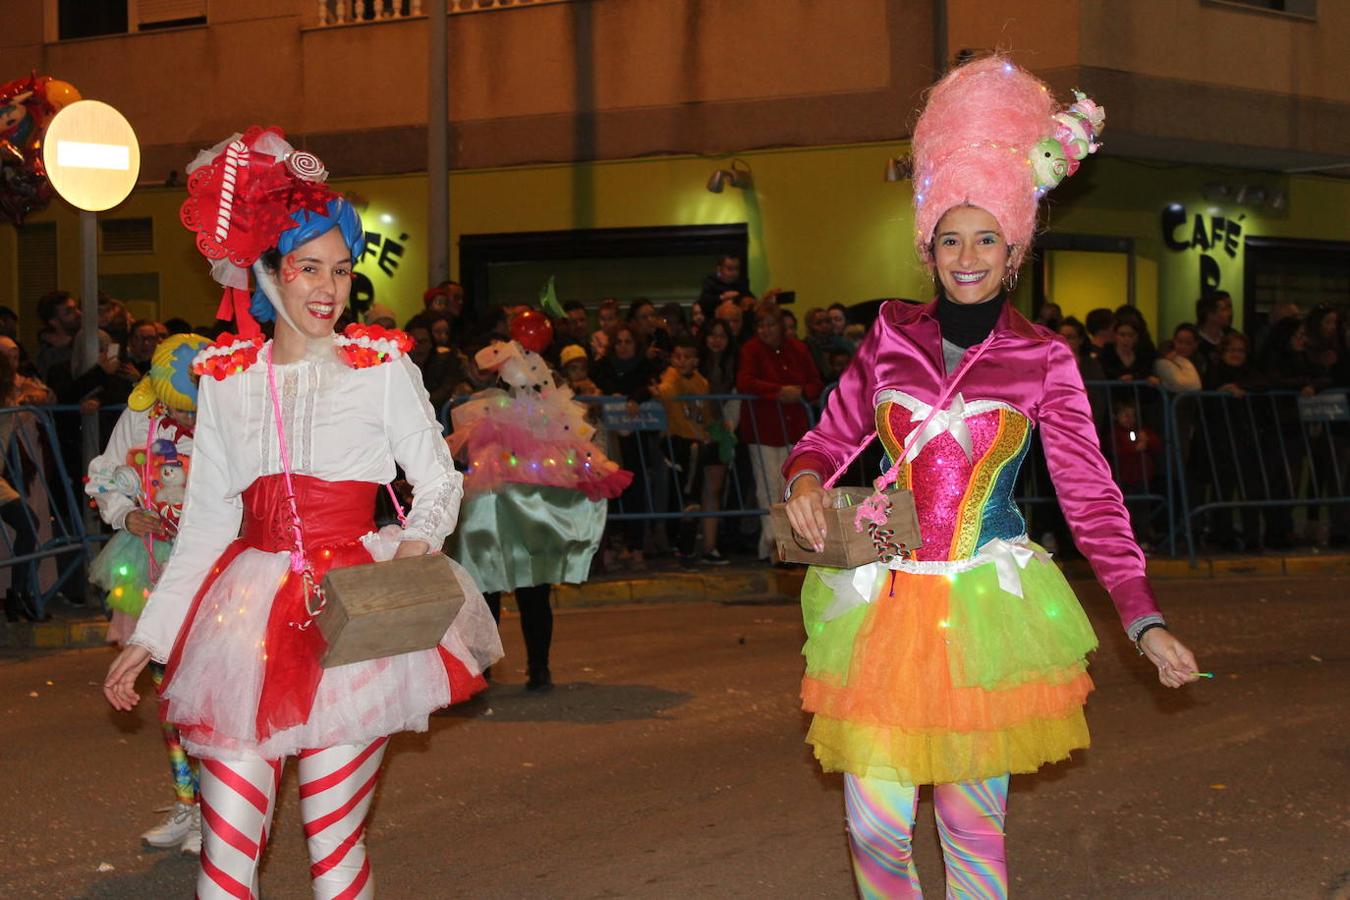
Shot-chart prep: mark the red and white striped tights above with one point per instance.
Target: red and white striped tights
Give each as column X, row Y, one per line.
column 238, row 797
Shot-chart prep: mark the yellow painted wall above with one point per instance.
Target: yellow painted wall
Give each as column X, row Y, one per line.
column 1080, row 281
column 1123, row 198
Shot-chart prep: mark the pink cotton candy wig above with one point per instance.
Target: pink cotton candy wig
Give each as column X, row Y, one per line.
column 973, row 145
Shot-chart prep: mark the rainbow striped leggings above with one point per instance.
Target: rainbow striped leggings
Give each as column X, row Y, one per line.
column 970, row 819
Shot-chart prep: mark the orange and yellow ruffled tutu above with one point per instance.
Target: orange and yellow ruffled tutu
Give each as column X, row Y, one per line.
column 946, row 677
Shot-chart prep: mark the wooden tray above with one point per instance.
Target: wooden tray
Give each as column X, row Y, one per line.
column 387, row 608
column 845, row 546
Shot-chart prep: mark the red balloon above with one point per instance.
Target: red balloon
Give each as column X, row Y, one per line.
column 532, row 330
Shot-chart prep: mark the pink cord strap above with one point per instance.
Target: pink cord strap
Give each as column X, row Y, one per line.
column 889, row 478
column 398, row 507
column 893, row 472
column 298, row 560
column 147, row 539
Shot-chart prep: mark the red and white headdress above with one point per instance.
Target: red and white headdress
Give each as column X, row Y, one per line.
column 242, row 194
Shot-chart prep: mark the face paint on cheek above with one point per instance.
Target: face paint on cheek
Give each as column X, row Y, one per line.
column 289, row 270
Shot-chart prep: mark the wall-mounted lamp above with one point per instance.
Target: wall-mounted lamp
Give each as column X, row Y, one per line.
column 1252, row 196
column 738, row 176
column 899, row 168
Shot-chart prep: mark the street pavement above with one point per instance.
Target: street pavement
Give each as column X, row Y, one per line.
column 669, row 762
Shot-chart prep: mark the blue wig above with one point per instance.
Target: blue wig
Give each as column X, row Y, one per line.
column 308, row 226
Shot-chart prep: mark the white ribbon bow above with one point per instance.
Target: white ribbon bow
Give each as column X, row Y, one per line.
column 855, row 587
column 1009, row 559
column 851, row 588
column 951, row 420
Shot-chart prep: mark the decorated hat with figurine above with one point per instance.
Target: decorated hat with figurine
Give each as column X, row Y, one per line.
column 992, row 135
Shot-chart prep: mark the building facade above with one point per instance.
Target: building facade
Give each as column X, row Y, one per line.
column 1227, row 128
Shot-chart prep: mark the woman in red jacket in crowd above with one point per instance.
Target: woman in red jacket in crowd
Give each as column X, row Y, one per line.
column 779, row 371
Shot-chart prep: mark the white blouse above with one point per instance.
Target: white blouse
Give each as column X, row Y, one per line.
column 342, row 424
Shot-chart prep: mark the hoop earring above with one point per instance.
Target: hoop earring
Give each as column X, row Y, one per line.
column 1010, row 280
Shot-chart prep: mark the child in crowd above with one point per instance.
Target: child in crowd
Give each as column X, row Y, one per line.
column 576, row 368
column 1137, row 448
column 698, row 469
column 854, row 334
column 835, row 364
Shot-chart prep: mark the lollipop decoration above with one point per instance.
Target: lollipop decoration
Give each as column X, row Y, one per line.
column 306, row 167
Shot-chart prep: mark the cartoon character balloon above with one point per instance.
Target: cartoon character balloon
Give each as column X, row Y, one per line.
column 26, row 106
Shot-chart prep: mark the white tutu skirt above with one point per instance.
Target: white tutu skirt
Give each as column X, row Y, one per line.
column 218, row 680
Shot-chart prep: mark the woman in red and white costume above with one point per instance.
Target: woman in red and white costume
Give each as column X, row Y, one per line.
column 231, row 617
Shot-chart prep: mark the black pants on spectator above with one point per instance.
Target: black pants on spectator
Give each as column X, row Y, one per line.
column 635, row 455
column 687, row 463
column 18, row 516
column 536, row 622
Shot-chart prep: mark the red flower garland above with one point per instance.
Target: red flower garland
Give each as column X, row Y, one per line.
column 227, row 355
column 363, row 346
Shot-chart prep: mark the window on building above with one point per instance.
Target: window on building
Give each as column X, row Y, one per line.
column 127, row 235
column 1303, row 9
column 94, row 18
column 37, row 264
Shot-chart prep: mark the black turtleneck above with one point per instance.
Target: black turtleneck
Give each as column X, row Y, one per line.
column 966, row 324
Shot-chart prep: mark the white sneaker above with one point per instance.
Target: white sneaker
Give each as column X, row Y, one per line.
column 192, row 842
column 182, row 819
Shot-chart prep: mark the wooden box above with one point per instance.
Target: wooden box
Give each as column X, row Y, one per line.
column 845, row 546
column 387, row 608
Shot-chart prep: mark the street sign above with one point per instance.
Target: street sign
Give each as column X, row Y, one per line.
column 651, row 416
column 1328, row 407
column 92, row 156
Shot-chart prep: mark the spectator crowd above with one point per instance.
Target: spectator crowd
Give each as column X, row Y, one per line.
column 1245, row 440
column 733, row 376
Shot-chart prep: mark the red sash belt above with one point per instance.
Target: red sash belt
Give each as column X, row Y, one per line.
column 333, row 516
column 331, row 512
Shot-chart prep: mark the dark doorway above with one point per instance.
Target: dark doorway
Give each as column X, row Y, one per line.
column 663, row 264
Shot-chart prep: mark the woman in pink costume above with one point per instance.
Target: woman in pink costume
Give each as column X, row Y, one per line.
column 963, row 661
column 293, row 439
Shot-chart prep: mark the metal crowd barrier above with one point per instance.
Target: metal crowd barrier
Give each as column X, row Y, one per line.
column 1263, row 454
column 1210, row 455
column 641, row 443
column 1152, row 487
column 49, row 505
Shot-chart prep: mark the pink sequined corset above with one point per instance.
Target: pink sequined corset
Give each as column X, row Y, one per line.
column 963, row 500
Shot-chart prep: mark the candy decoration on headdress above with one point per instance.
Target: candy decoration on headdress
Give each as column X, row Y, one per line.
column 170, row 380
column 992, row 136
column 243, row 194
column 306, row 166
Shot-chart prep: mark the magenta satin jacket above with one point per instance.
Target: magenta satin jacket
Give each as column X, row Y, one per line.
column 963, row 465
